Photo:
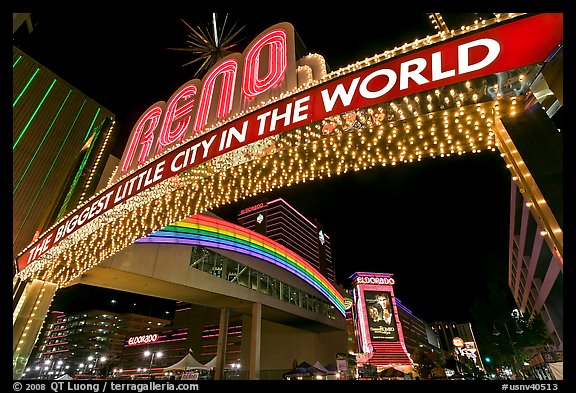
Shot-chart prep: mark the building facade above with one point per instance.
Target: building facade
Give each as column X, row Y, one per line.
column 195, row 331
column 281, row 222
column 85, row 344
column 61, row 139
column 533, row 150
column 379, row 331
column 457, row 340
column 418, row 335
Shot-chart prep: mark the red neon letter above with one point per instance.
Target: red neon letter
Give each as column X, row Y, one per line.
column 173, row 112
column 228, row 69
column 142, row 137
column 252, row 84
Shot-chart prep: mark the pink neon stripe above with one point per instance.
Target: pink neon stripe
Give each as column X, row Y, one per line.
column 50, row 353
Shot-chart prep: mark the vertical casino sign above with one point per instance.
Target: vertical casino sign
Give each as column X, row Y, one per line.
column 380, row 316
column 376, row 312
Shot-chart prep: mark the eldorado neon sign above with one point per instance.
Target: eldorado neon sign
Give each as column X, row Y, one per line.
column 144, row 339
column 170, row 126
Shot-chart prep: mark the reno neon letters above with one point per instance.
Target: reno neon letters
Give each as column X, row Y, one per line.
column 233, row 84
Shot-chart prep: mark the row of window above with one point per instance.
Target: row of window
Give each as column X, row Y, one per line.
column 225, row 268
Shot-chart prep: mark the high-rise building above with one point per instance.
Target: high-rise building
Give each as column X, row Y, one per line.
column 457, row 340
column 533, row 150
column 418, row 335
column 61, row 139
column 281, row 222
column 86, row 343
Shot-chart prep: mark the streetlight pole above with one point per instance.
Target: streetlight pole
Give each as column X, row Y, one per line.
column 148, row 353
column 47, row 369
column 518, row 331
column 102, row 360
column 94, row 366
column 90, row 365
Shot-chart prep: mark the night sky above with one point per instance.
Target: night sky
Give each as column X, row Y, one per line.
column 440, row 225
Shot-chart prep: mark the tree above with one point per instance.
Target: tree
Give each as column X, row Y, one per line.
column 534, row 334
column 490, row 313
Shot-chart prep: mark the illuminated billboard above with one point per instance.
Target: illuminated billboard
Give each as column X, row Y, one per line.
column 381, row 320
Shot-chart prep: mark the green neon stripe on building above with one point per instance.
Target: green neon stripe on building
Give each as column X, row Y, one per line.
column 17, row 60
column 91, row 124
column 41, row 142
column 33, row 116
column 50, row 170
column 79, row 172
column 25, row 87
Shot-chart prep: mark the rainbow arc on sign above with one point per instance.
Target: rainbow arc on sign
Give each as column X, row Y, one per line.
column 206, row 231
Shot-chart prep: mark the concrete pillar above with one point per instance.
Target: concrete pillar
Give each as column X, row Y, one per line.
column 255, row 341
column 222, row 343
column 28, row 318
column 547, row 283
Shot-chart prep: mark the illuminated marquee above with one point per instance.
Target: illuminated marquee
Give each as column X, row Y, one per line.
column 181, row 129
column 252, row 208
column 421, row 71
column 375, row 280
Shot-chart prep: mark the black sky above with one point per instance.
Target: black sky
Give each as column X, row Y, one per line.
column 440, row 225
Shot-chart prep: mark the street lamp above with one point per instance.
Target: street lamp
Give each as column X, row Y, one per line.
column 92, row 366
column 518, row 331
column 157, row 354
column 102, row 360
column 89, row 363
column 47, row 366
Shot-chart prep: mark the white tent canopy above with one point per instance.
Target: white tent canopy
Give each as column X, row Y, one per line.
column 188, row 363
column 211, row 363
column 320, row 367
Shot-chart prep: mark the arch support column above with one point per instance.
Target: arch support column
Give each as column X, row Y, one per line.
column 255, row 341
column 222, row 343
column 27, row 320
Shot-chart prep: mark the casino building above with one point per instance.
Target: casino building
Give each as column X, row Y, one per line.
column 535, row 266
column 457, row 340
column 253, row 299
column 281, row 222
column 379, row 331
column 85, row 344
column 59, row 138
column 418, row 334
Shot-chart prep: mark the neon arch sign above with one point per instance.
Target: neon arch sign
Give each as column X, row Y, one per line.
column 519, row 43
